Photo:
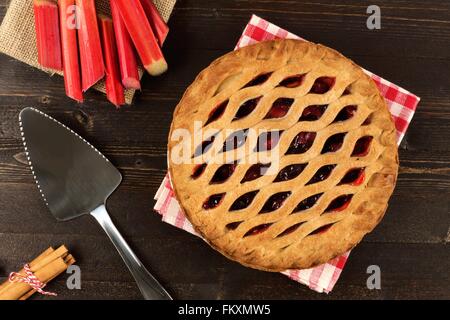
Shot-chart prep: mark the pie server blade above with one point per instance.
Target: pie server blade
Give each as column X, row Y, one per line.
column 75, row 179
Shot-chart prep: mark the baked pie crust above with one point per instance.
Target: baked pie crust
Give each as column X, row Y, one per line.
column 337, row 159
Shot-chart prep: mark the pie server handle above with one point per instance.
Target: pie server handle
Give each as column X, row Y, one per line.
column 150, row 288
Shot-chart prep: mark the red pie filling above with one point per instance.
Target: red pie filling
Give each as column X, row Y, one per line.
column 292, row 82
column 275, row 202
column 367, row 121
column 268, row 140
column 233, row 225
column 246, row 108
column 217, row 112
column 323, row 85
column 204, row 147
column 198, row 170
column 346, row 91
column 235, row 140
column 346, row 113
column 279, row 108
column 243, row 201
column 255, row 171
column 322, row 174
column 301, row 143
column 334, row 143
column 313, row 113
column 213, row 201
column 307, row 203
column 259, row 80
column 340, row 203
column 290, row 230
column 290, row 172
column 354, row 177
column 258, row 229
column 322, row 229
column 362, row 146
column 223, row 173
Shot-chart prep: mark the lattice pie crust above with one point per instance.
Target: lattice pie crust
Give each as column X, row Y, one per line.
column 337, row 149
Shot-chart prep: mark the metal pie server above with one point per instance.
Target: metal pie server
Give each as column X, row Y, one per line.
column 75, row 179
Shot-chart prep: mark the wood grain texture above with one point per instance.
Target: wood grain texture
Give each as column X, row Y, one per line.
column 411, row 245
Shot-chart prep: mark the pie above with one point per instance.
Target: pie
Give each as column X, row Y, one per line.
column 283, row 155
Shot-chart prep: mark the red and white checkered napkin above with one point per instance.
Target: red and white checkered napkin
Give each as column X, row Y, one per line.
column 402, row 105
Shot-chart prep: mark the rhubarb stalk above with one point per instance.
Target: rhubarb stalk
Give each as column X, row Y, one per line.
column 72, row 77
column 127, row 55
column 159, row 26
column 141, row 33
column 114, row 89
column 92, row 65
column 47, row 34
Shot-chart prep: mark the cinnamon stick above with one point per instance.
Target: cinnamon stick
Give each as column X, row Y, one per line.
column 69, row 260
column 60, row 252
column 45, row 267
column 36, row 262
column 5, row 285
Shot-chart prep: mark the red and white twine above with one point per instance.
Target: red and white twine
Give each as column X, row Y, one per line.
column 30, row 279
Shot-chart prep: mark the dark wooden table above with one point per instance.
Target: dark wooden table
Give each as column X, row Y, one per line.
column 411, row 245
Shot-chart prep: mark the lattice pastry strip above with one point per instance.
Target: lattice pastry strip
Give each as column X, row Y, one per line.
column 299, row 191
column 250, row 106
column 291, row 157
column 322, row 131
column 307, row 162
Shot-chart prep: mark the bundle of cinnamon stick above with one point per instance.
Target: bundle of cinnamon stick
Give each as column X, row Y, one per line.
column 47, row 266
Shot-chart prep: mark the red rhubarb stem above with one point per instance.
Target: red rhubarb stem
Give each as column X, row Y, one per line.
column 159, row 26
column 141, row 33
column 114, row 89
column 72, row 76
column 127, row 55
column 92, row 65
column 48, row 39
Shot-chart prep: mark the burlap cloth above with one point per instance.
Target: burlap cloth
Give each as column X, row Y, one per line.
column 18, row 37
